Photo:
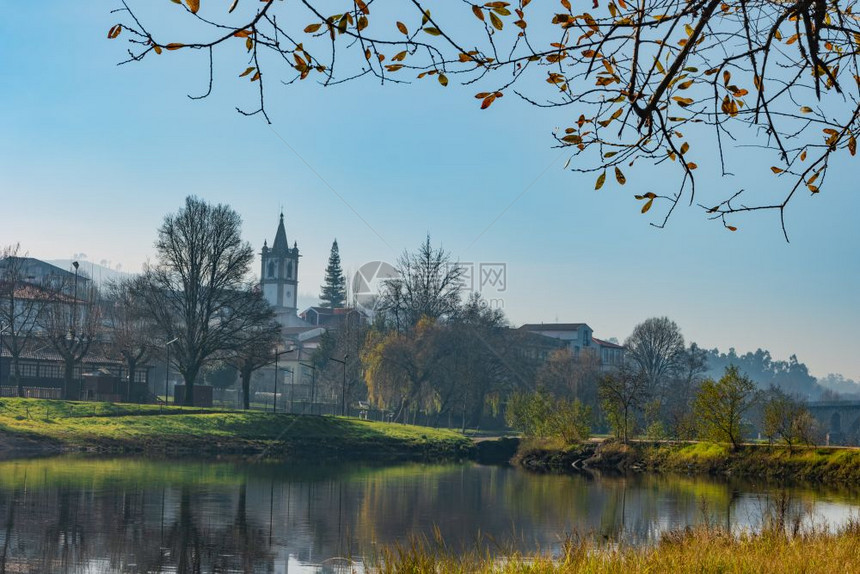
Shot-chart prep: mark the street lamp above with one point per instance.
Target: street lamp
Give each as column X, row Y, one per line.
column 278, row 354
column 313, row 381
column 75, row 264
column 2, row 332
column 167, row 368
column 292, row 386
column 343, row 387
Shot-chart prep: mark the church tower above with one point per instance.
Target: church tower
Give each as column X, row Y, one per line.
column 279, row 276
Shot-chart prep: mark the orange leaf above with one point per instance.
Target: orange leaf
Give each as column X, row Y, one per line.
column 402, row 27
column 311, row 28
column 193, row 5
column 114, row 31
column 775, row 169
column 174, row 46
column 620, row 176
column 487, row 101
column 479, row 14
column 647, row 205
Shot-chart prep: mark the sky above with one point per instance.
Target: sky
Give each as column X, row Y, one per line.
column 94, row 155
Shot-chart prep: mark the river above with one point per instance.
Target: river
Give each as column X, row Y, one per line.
column 94, row 515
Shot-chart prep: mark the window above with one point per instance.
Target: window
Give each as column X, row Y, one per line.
column 52, row 372
column 140, row 377
column 271, row 269
column 29, row 369
column 289, row 270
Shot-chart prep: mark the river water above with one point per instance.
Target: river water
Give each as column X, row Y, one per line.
column 72, row 514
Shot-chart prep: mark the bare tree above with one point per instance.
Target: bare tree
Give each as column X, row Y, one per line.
column 71, row 322
column 641, row 82
column 197, row 291
column 428, row 285
column 131, row 332
column 256, row 345
column 22, row 305
column 621, row 393
column 656, row 346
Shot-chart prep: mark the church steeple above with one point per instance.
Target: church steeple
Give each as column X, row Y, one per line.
column 279, row 275
column 281, row 244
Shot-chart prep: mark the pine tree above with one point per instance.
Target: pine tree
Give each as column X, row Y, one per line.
column 334, row 291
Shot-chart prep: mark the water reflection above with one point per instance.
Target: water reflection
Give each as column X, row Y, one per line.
column 132, row 515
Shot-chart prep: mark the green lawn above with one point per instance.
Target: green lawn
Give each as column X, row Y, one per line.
column 127, row 427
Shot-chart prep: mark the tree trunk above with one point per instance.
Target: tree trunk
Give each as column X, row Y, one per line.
column 16, row 377
column 246, row 389
column 68, row 373
column 132, row 369
column 188, row 399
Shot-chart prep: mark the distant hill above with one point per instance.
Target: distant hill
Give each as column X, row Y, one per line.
column 100, row 274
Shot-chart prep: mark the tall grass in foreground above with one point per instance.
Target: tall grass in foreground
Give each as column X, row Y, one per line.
column 701, row 549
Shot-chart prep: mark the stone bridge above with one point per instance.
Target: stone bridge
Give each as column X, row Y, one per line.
column 840, row 420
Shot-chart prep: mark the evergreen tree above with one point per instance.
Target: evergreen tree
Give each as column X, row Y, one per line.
column 334, row 291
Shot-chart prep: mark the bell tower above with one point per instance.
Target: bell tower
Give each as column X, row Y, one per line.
column 279, row 275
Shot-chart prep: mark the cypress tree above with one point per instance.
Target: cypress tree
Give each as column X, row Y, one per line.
column 334, row 291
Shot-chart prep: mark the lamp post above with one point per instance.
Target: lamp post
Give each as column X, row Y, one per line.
column 292, row 386
column 313, row 381
column 167, row 368
column 2, row 332
column 343, row 386
column 75, row 264
column 275, row 401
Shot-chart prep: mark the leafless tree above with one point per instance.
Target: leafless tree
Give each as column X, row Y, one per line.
column 21, row 307
column 656, row 346
column 622, row 392
column 429, row 284
column 72, row 323
column 197, row 291
column 131, row 332
column 642, row 82
column 255, row 346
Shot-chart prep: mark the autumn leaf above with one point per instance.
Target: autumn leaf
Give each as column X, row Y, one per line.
column 487, row 101
column 731, row 228
column 479, row 14
column 647, row 205
column 311, row 28
column 433, row 31
column 620, row 176
column 775, row 169
column 174, row 46
column 852, row 145
column 247, row 71
column 403, row 29
column 443, row 79
column 193, row 5
column 114, row 31
column 601, row 179
column 496, row 21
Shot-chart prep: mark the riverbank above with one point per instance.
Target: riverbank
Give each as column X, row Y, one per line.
column 31, row 427
column 689, row 551
column 805, row 464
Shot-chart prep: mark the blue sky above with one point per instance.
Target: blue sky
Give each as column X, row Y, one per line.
column 92, row 156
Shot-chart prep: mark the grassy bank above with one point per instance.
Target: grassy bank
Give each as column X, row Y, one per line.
column 44, row 425
column 691, row 551
column 811, row 464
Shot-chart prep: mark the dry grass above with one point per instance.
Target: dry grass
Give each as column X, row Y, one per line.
column 699, row 550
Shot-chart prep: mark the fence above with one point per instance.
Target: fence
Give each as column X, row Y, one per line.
column 33, row 392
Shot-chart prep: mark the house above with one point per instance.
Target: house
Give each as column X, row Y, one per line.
column 579, row 337
column 332, row 319
column 42, row 274
column 43, row 375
